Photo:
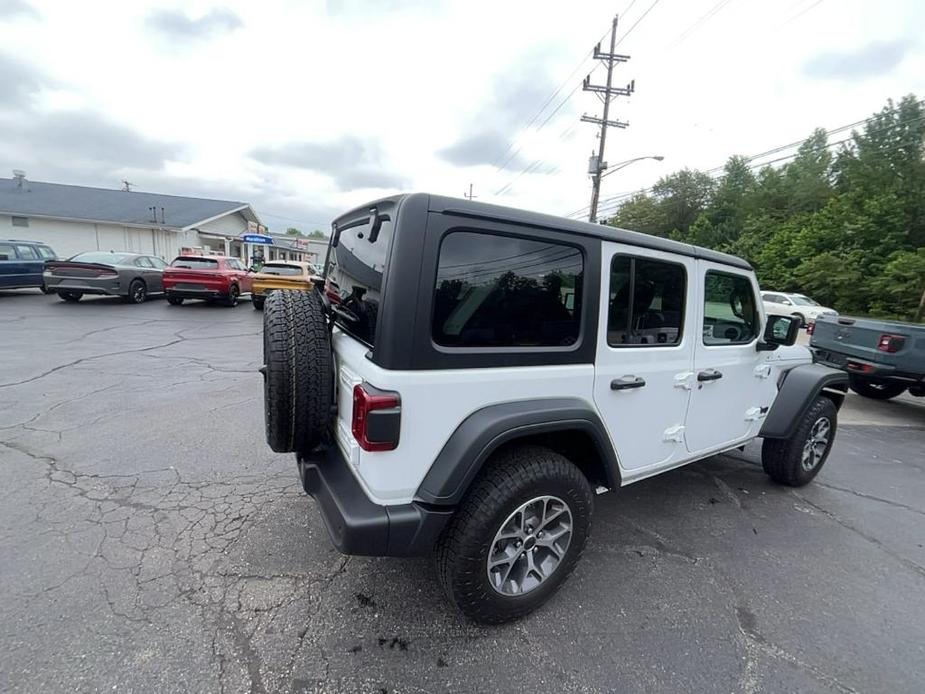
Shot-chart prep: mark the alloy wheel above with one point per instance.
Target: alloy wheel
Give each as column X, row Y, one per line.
column 530, row 545
column 816, row 443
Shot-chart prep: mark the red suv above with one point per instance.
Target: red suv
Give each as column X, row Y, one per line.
column 209, row 277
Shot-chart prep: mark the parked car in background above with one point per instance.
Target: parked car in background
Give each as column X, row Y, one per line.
column 132, row 276
column 22, row 263
column 208, row 277
column 281, row 274
column 882, row 358
column 798, row 305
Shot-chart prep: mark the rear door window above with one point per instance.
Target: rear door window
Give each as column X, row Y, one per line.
column 504, row 291
column 646, row 302
column 27, row 253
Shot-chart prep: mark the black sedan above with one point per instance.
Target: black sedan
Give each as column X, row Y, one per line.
column 133, row 276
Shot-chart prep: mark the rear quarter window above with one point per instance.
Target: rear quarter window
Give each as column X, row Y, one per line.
column 504, row 291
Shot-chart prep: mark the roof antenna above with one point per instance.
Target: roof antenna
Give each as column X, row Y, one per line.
column 19, row 179
column 127, row 186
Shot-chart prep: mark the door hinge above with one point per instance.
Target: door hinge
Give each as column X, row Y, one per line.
column 684, row 380
column 675, row 433
column 763, row 370
column 755, row 413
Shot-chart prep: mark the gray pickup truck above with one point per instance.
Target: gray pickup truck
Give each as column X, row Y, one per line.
column 883, row 358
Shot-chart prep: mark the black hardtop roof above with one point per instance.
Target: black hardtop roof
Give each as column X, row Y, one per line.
column 480, row 210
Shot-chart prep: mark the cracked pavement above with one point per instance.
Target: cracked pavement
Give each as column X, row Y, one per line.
column 151, row 541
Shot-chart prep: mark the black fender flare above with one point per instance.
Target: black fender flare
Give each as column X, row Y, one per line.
column 801, row 385
column 483, row 431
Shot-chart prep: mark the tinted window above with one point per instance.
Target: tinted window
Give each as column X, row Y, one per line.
column 280, row 269
column 157, row 262
column 499, row 291
column 195, row 263
column 102, row 258
column 6, row 252
column 143, row 262
column 730, row 314
column 355, row 270
column 45, row 252
column 646, row 302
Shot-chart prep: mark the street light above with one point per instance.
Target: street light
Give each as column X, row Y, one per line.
column 623, row 164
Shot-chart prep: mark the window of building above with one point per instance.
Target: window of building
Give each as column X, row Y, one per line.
column 646, row 302
column 27, row 253
column 20, row 221
column 503, row 291
column 730, row 313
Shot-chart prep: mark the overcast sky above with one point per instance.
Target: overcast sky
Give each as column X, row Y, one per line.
column 307, row 109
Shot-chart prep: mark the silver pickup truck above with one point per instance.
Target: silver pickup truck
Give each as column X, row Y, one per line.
column 883, row 358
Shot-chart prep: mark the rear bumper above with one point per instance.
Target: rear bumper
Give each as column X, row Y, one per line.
column 864, row 367
column 196, row 293
column 358, row 525
column 107, row 287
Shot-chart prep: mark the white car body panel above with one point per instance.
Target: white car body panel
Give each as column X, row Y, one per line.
column 671, row 421
column 810, row 313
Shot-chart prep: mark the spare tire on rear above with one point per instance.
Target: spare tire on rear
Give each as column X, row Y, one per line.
column 298, row 377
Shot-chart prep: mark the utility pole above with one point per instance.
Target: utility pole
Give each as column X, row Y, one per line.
column 597, row 165
column 469, row 196
column 127, row 186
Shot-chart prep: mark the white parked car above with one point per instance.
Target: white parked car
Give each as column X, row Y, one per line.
column 798, row 305
column 479, row 373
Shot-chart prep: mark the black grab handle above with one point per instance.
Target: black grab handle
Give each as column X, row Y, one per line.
column 709, row 375
column 627, row 382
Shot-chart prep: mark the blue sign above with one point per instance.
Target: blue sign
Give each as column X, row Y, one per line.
column 257, row 238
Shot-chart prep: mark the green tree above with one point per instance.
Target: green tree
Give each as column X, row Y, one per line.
column 292, row 231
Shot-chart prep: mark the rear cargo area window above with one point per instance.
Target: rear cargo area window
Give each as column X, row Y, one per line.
column 503, row 291
column 195, row 263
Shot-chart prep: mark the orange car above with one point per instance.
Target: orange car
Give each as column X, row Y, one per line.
column 281, row 274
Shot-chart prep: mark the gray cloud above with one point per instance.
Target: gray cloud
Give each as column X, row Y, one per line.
column 176, row 24
column 12, row 9
column 351, row 162
column 19, row 82
column 516, row 95
column 873, row 59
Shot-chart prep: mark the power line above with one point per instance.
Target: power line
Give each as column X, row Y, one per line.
column 712, row 12
column 754, row 157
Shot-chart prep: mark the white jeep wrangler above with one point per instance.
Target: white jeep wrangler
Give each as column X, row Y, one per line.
column 470, row 375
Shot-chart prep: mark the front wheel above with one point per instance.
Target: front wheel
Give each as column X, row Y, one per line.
column 877, row 390
column 797, row 460
column 257, row 302
column 517, row 535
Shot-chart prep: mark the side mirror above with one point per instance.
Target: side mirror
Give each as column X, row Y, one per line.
column 780, row 330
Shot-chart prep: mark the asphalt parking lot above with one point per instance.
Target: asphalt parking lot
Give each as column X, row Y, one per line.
column 151, row 541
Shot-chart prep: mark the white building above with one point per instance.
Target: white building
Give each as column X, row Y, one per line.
column 74, row 219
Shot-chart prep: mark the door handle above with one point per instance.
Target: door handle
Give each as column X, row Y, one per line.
column 627, row 382
column 709, row 375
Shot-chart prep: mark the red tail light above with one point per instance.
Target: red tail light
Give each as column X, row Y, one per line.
column 811, row 328
column 858, row 366
column 376, row 418
column 891, row 343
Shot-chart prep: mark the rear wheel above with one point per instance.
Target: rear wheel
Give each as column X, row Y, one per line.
column 797, row 460
column 174, row 300
column 516, row 536
column 233, row 294
column 298, row 372
column 71, row 297
column 137, row 292
column 872, row 388
column 257, row 302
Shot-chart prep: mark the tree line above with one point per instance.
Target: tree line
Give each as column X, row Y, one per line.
column 842, row 221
